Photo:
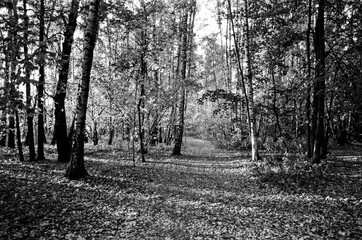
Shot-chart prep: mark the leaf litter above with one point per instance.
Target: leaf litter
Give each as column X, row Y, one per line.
column 203, row 194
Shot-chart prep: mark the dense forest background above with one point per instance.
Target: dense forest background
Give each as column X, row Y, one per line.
column 272, row 76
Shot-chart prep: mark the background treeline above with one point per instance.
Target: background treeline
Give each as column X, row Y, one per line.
column 279, row 75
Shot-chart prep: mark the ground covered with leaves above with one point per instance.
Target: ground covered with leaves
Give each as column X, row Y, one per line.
column 204, row 194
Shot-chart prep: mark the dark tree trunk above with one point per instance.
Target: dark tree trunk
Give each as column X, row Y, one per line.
column 141, row 133
column 179, row 127
column 18, row 133
column 95, row 134
column 141, row 101
column 309, row 139
column 11, row 131
column 111, row 133
column 275, row 109
column 76, row 168
column 60, row 127
column 29, row 108
column 54, row 139
column 13, row 53
column 41, row 132
column 319, row 89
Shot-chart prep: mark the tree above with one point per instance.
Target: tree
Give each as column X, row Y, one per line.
column 319, row 86
column 309, row 75
column 76, row 168
column 11, row 64
column 248, row 94
column 60, row 127
column 41, row 83
column 249, row 74
column 30, row 110
column 186, row 35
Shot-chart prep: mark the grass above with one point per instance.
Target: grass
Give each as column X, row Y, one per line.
column 203, row 194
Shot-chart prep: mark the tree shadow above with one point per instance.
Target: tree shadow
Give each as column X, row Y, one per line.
column 337, row 178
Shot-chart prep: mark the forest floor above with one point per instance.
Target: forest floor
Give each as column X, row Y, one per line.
column 204, row 194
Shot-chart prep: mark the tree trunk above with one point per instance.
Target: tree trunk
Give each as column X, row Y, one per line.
column 249, row 74
column 111, row 133
column 249, row 96
column 95, row 133
column 60, row 127
column 275, row 108
column 319, row 88
column 41, row 132
column 141, row 100
column 76, row 168
column 29, row 108
column 179, row 127
column 13, row 57
column 141, row 133
column 309, row 139
column 18, row 133
column 11, row 131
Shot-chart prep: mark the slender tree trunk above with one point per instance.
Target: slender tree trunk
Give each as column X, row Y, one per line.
column 141, row 106
column 41, row 132
column 141, row 134
column 111, row 131
column 60, row 127
column 319, row 88
column 249, row 75
column 18, row 133
column 29, row 109
column 76, row 168
column 309, row 140
column 95, row 133
column 179, row 127
column 11, row 133
column 249, row 96
column 13, row 57
column 142, row 97
column 275, row 109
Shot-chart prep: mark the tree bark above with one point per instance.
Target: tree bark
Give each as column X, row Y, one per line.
column 309, row 139
column 141, row 100
column 248, row 95
column 13, row 53
column 179, row 127
column 95, row 133
column 249, row 74
column 29, row 108
column 11, row 131
column 60, row 127
column 76, row 168
column 41, row 132
column 18, row 134
column 275, row 108
column 319, row 88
